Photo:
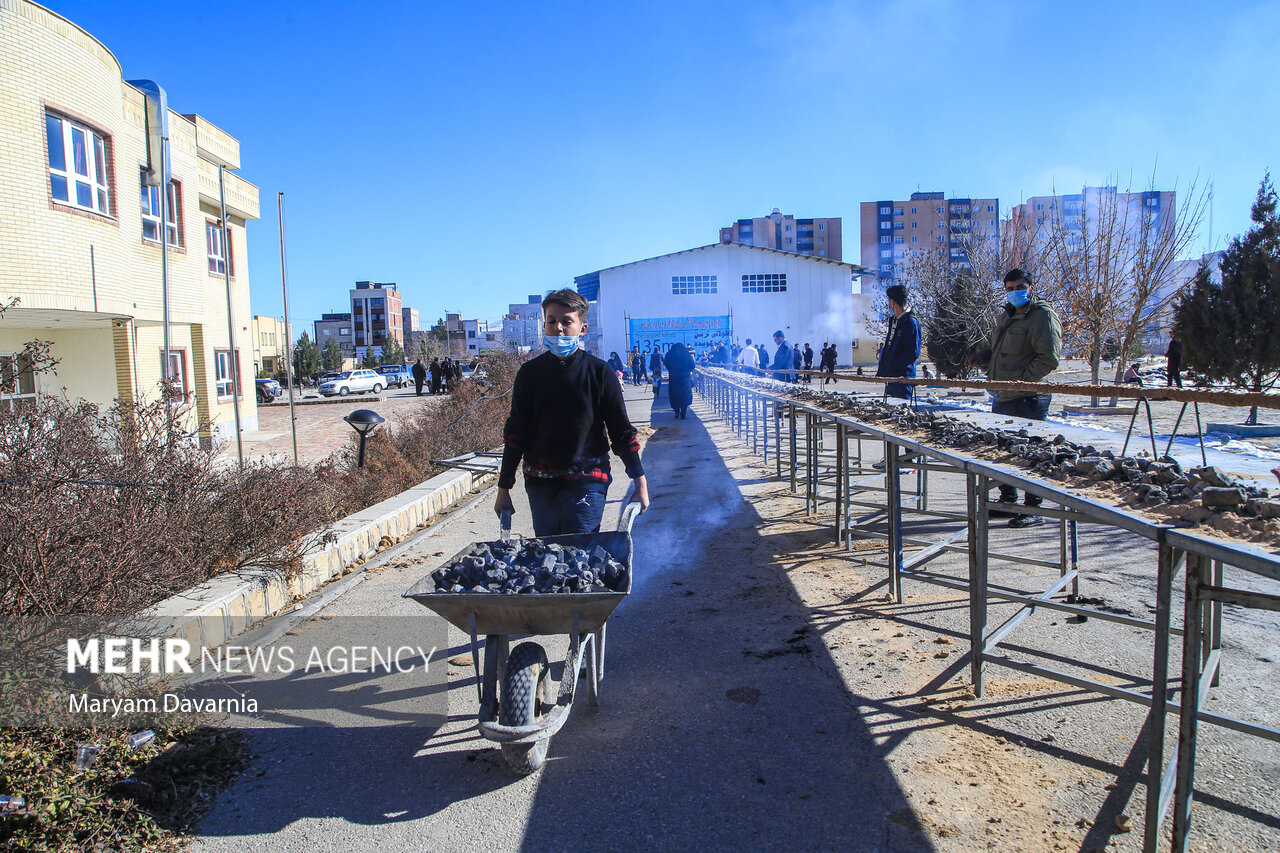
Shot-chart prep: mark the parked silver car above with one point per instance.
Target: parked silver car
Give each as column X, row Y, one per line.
column 353, row 382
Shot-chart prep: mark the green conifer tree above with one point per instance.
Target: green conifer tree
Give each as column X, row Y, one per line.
column 331, row 355
column 1229, row 329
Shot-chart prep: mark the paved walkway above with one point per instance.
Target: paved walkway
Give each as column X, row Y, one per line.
column 321, row 430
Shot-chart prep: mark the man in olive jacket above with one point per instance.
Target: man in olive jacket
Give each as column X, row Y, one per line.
column 1026, row 346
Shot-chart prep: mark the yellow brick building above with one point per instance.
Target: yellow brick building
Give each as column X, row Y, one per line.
column 80, row 234
column 270, row 344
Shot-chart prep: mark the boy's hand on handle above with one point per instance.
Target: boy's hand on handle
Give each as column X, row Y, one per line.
column 503, row 503
column 641, row 495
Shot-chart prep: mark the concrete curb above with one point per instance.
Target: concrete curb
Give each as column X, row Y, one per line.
column 225, row 607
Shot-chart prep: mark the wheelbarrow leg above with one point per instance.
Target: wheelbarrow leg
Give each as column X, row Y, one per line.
column 496, row 647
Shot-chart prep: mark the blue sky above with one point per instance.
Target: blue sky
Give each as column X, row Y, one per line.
column 476, row 153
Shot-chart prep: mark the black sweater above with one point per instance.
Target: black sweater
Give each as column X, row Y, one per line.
column 565, row 412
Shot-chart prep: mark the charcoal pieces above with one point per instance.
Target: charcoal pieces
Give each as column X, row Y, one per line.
column 532, row 567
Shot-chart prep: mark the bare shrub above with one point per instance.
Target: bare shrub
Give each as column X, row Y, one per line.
column 397, row 458
column 101, row 516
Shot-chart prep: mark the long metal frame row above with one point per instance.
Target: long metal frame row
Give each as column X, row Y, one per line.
column 821, row 454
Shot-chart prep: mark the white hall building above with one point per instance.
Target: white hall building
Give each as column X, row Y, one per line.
column 728, row 292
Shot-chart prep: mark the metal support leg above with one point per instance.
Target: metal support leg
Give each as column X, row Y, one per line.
column 1188, row 722
column 978, row 531
column 1158, row 789
column 894, row 497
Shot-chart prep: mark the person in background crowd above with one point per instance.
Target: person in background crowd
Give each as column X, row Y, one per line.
column 829, row 363
column 1026, row 346
column 419, row 376
column 1133, row 376
column 796, row 360
column 436, row 375
column 807, row 355
column 927, row 374
column 655, row 369
column 679, row 379
column 615, row 361
column 637, row 361
column 783, row 359
column 1173, row 361
column 763, row 355
column 901, row 345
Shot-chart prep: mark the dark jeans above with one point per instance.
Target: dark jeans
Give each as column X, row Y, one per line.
column 565, row 506
column 1035, row 408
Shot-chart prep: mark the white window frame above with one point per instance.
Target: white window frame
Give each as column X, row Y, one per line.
column 12, row 379
column 177, row 368
column 223, row 363
column 215, row 242
column 93, row 179
column 151, row 215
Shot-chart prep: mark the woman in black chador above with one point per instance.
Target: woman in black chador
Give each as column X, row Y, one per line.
column 679, row 383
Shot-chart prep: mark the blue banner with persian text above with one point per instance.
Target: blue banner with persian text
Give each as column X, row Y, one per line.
column 697, row 333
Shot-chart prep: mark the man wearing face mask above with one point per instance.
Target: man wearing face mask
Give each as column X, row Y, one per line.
column 566, row 412
column 1025, row 347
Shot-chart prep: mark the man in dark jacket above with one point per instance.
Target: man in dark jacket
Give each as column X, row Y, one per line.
column 807, row 355
column 783, row 358
column 1173, row 361
column 901, row 343
column 437, row 373
column 1026, row 346
column 419, row 376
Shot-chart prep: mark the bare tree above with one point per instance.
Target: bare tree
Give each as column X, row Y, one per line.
column 1108, row 261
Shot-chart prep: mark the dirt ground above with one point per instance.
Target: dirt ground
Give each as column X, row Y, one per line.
column 1034, row 764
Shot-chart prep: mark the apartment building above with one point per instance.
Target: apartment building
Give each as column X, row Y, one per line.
column 782, row 231
column 81, row 232
column 1074, row 214
column 377, row 316
column 893, row 232
column 336, row 325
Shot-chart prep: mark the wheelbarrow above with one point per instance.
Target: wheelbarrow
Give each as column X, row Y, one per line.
column 514, row 688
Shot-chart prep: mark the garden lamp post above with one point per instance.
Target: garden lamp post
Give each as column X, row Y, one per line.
column 364, row 422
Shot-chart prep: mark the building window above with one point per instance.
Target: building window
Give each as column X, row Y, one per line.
column 913, row 213
column 897, row 226
column 897, row 239
column 885, row 238
column 886, row 253
column 471, row 334
column 177, row 372
column 222, row 367
column 885, row 211
column 822, row 226
column 688, row 285
column 991, row 208
column 885, row 226
column 1039, row 207
column 886, row 267
column 77, row 164
column 773, row 282
column 17, row 381
column 897, row 212
column 915, row 239
column 218, row 243
column 151, row 214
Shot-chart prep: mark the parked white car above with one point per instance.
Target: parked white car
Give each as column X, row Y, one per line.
column 353, row 382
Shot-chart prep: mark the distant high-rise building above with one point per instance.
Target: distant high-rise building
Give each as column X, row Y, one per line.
column 893, row 232
column 817, row 237
column 1074, row 213
column 376, row 316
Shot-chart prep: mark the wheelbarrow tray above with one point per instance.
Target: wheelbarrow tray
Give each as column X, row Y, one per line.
column 531, row 613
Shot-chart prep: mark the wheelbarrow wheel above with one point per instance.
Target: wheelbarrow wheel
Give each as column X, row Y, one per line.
column 522, row 689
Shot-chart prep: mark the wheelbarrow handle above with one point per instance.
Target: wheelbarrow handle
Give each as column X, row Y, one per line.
column 628, row 516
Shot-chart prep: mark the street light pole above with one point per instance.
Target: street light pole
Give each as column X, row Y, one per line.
column 288, row 329
column 236, row 390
